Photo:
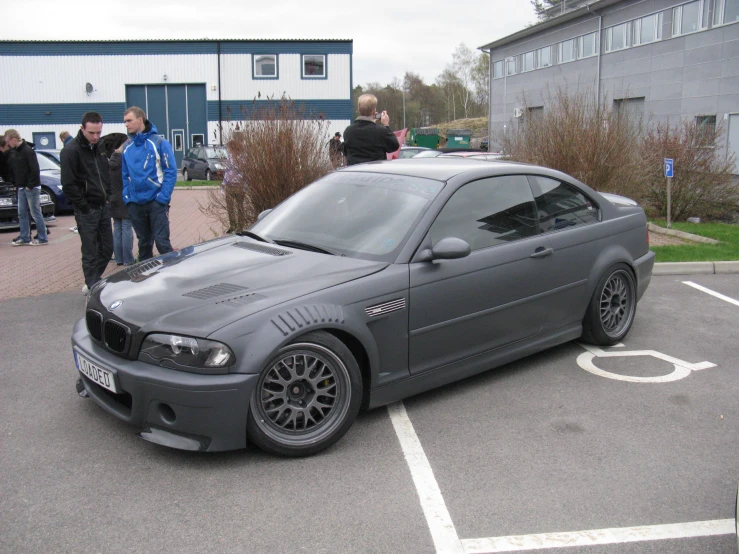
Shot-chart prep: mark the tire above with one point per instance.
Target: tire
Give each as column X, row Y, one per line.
column 207, row 174
column 186, row 175
column 611, row 311
column 52, row 196
column 293, row 419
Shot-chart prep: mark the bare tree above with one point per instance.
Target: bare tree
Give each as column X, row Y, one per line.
column 464, row 62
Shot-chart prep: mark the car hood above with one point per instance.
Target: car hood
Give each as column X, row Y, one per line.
column 201, row 288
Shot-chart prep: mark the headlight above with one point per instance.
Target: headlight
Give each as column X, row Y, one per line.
column 186, row 351
column 219, row 166
column 59, row 188
column 6, row 201
column 45, row 198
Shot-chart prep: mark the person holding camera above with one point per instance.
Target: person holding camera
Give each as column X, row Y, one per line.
column 365, row 140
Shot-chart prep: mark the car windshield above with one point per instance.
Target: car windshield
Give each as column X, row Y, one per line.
column 215, row 153
column 360, row 215
column 45, row 163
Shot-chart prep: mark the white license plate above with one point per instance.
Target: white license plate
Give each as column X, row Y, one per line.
column 95, row 373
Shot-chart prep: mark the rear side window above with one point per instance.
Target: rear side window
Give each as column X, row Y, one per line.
column 488, row 212
column 561, row 205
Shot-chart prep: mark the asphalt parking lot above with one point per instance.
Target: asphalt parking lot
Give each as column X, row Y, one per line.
column 540, row 455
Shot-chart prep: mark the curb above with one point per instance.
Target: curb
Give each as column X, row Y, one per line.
column 203, row 187
column 695, row 268
column 680, row 234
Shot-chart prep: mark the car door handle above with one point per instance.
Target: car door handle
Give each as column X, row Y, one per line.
column 542, row 252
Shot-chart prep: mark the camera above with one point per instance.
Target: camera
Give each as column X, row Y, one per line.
column 378, row 115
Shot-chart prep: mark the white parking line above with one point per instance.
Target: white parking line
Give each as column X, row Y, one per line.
column 438, row 519
column 517, row 543
column 712, row 293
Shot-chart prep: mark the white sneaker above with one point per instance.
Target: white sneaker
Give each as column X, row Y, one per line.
column 85, row 290
column 74, row 229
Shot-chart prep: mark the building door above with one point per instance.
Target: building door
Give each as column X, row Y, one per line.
column 733, row 141
column 175, row 110
column 45, row 141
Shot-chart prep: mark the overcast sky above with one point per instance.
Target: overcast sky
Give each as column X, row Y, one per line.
column 390, row 37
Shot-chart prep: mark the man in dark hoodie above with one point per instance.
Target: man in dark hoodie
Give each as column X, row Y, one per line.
column 27, row 177
column 86, row 183
column 365, row 140
column 149, row 175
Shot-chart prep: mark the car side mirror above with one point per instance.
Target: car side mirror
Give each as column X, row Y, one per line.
column 262, row 214
column 448, row 248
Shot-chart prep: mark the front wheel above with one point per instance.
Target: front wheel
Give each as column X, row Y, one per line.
column 186, row 175
column 207, row 174
column 611, row 311
column 306, row 398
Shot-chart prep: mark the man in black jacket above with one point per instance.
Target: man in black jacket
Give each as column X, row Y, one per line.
column 86, row 183
column 364, row 140
column 27, row 178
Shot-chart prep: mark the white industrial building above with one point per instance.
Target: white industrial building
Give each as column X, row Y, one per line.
column 186, row 87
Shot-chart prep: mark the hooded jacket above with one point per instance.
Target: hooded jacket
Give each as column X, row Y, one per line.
column 148, row 167
column 85, row 173
column 365, row 141
column 24, row 166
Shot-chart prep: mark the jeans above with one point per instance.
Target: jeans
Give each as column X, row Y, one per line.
column 123, row 241
column 97, row 242
column 151, row 223
column 29, row 205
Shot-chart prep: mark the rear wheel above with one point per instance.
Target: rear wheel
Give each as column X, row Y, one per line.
column 306, row 398
column 611, row 311
column 186, row 175
column 207, row 174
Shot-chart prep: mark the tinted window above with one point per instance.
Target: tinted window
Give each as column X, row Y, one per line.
column 561, row 205
column 488, row 212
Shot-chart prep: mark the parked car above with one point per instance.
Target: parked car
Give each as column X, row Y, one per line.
column 428, row 154
column 410, row 151
column 53, row 155
column 204, row 162
column 376, row 282
column 51, row 183
column 9, row 207
column 474, row 155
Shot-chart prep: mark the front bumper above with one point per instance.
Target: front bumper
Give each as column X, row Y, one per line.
column 643, row 267
column 178, row 409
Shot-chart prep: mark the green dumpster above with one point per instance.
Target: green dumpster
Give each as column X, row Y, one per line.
column 427, row 137
column 458, row 138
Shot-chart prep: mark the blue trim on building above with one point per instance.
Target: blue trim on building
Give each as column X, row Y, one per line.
column 58, row 114
column 236, row 110
column 323, row 77
column 128, row 48
column 254, row 57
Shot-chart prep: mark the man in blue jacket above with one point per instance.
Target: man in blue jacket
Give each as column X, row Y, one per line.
column 149, row 174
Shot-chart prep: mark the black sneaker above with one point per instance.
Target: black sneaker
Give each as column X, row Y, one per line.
column 48, row 232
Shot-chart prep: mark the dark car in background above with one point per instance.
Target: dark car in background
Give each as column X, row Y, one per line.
column 204, row 162
column 9, row 207
column 51, row 182
column 375, row 283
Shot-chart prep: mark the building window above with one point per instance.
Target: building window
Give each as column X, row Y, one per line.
column 544, row 57
column 511, row 66
column 265, row 66
column 314, row 66
column 630, row 107
column 705, row 127
column 648, row 29
column 618, row 37
column 726, row 11
column 586, row 46
column 687, row 18
column 533, row 115
column 498, row 69
column 527, row 61
column 567, row 51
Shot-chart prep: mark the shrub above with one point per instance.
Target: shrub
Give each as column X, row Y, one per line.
column 273, row 154
column 702, row 184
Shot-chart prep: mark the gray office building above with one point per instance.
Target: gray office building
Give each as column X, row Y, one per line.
column 662, row 58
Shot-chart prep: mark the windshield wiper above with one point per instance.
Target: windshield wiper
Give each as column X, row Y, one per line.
column 305, row 246
column 254, row 236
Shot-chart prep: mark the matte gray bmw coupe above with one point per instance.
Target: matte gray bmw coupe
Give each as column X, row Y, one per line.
column 376, row 282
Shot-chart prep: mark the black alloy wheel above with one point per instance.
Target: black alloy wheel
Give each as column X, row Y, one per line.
column 611, row 311
column 307, row 397
column 186, row 174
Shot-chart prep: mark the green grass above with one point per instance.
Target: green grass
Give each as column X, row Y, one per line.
column 195, row 183
column 727, row 250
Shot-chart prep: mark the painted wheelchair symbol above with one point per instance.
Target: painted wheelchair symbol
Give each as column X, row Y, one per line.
column 682, row 368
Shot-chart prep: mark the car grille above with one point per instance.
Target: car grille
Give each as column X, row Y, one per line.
column 116, row 336
column 94, row 324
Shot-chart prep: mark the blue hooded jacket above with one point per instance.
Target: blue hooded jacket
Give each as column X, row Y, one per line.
column 148, row 168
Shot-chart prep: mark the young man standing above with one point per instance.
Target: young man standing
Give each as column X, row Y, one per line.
column 149, row 176
column 27, row 177
column 86, row 182
column 365, row 140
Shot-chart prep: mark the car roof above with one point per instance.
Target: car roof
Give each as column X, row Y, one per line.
column 444, row 168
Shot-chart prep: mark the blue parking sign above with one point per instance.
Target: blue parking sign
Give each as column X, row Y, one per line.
column 669, row 167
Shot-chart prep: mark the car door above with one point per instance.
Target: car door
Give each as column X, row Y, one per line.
column 491, row 298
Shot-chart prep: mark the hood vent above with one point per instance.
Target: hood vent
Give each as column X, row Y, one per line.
column 143, row 267
column 385, row 307
column 214, row 291
column 263, row 249
column 242, row 300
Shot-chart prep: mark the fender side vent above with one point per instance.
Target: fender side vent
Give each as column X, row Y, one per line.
column 214, row 291
column 262, row 249
column 297, row 318
column 385, row 308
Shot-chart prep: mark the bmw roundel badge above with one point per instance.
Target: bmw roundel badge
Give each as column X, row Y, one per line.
column 115, row 304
